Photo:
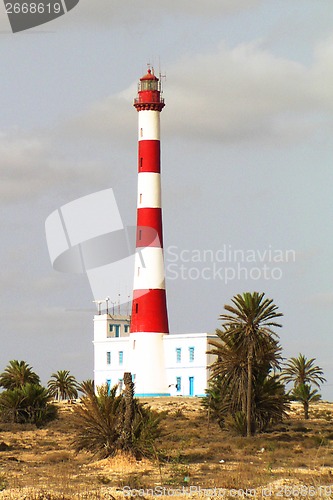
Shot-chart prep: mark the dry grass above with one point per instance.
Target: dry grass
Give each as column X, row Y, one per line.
column 40, row 463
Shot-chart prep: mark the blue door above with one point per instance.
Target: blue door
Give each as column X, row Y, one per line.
column 191, row 385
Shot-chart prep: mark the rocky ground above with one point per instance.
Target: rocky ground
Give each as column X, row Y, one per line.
column 200, row 460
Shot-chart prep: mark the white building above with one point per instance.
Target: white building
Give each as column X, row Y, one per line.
column 185, row 356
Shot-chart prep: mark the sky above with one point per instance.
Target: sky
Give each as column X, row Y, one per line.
column 246, row 164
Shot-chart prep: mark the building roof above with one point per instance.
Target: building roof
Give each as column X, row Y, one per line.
column 149, row 76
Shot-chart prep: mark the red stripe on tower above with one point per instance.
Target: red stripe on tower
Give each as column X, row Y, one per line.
column 149, row 308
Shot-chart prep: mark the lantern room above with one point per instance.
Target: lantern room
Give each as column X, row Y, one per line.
column 149, row 93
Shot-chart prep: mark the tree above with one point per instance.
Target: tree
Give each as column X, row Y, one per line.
column 301, row 370
column 62, row 385
column 16, row 374
column 247, row 347
column 302, row 373
column 99, row 423
column 129, row 411
column 305, row 395
column 27, row 404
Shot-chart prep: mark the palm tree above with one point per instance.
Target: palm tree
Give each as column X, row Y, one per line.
column 305, row 395
column 27, row 404
column 128, row 398
column 100, row 425
column 300, row 370
column 270, row 400
column 35, row 404
column 62, row 385
column 96, row 422
column 248, row 342
column 16, row 374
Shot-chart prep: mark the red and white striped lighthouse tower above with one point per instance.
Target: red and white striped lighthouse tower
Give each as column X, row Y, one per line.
column 149, row 320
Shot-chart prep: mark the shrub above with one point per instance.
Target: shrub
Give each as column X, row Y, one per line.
column 27, row 404
column 100, row 424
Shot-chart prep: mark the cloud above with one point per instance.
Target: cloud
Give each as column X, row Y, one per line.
column 107, row 13
column 242, row 93
column 110, row 120
column 30, row 167
column 111, row 12
column 248, row 93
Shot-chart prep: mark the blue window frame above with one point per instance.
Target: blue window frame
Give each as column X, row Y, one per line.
column 108, row 381
column 108, row 358
column 191, row 386
column 178, row 384
column 117, row 330
column 191, row 354
column 178, row 355
column 121, row 357
column 126, row 328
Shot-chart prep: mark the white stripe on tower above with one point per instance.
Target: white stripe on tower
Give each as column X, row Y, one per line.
column 149, row 320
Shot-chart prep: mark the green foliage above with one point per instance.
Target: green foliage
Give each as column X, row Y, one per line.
column 27, row 404
column 269, row 404
column 247, row 351
column 302, row 373
column 62, row 385
column 305, row 395
column 301, row 370
column 99, row 423
column 270, row 401
column 145, row 430
column 17, row 374
column 236, row 423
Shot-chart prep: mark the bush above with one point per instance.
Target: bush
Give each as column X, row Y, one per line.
column 101, row 429
column 27, row 404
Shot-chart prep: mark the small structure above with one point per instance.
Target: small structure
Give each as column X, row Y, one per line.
column 186, row 361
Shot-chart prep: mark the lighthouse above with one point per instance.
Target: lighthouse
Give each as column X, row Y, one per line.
column 149, row 319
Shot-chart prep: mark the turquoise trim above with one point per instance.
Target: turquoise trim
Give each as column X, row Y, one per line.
column 152, row 395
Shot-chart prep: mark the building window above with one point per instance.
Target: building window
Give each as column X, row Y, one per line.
column 108, row 358
column 178, row 355
column 178, row 384
column 141, row 163
column 140, row 234
column 191, row 354
column 141, row 132
column 140, row 198
column 191, row 386
column 126, row 328
column 136, row 307
column 121, row 357
column 108, row 382
column 115, row 329
column 120, row 384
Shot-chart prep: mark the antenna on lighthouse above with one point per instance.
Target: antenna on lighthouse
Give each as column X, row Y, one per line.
column 98, row 302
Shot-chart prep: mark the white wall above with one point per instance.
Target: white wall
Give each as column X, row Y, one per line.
column 196, row 369
column 173, row 369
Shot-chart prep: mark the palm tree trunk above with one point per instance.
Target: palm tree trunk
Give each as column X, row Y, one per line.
column 129, row 410
column 306, row 410
column 249, row 393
